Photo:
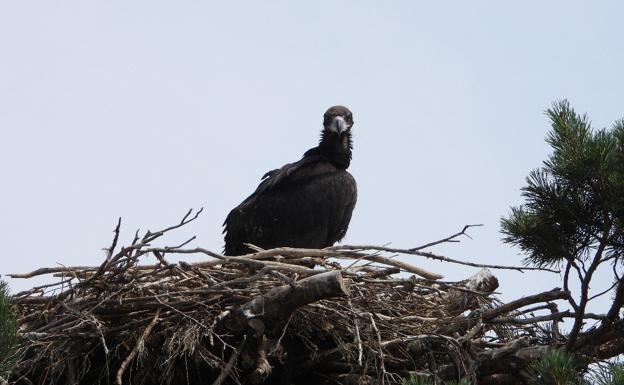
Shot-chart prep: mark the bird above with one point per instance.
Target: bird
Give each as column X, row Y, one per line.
column 304, row 204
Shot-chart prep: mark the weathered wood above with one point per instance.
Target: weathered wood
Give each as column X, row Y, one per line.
column 277, row 316
column 262, row 366
column 460, row 301
column 279, row 303
column 403, row 265
column 528, row 300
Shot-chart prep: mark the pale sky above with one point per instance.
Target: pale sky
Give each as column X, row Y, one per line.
column 144, row 109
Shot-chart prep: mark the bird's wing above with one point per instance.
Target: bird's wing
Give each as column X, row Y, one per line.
column 288, row 173
column 307, row 167
column 241, row 222
column 345, row 207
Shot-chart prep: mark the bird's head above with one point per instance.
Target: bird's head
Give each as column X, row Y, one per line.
column 335, row 141
column 337, row 122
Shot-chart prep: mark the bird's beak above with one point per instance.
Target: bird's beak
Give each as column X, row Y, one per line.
column 338, row 125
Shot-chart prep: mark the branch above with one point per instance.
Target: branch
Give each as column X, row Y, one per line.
column 279, row 303
column 111, row 249
column 230, row 364
column 336, row 252
column 447, row 239
column 435, row 257
column 536, row 298
column 404, row 266
column 578, row 321
column 149, row 237
column 137, row 347
column 609, row 323
column 548, row 317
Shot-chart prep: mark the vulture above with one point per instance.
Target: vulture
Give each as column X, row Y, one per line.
column 305, row 204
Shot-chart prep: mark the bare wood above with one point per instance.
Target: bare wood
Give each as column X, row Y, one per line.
column 547, row 317
column 529, row 300
column 137, row 347
column 447, row 239
column 213, row 305
column 611, row 316
column 199, row 250
column 436, row 257
column 50, row 270
column 279, row 303
column 262, row 366
column 230, row 364
column 404, row 266
column 111, row 249
column 585, row 281
column 610, row 349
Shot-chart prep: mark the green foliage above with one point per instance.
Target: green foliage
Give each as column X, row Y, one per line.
column 421, row 380
column 607, row 374
column 460, row 382
column 8, row 333
column 418, row 380
column 575, row 201
column 556, row 367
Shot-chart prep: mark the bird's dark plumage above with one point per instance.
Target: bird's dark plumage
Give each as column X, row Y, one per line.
column 303, row 204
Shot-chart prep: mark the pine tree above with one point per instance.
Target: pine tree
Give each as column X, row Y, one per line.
column 574, row 211
column 556, row 367
column 422, row 380
column 575, row 203
column 8, row 333
column 611, row 373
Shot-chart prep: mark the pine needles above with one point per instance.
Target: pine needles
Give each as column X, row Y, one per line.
column 8, row 333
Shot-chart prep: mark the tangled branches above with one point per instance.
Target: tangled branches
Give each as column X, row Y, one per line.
column 276, row 316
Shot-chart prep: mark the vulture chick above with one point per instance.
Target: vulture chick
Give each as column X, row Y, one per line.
column 303, row 204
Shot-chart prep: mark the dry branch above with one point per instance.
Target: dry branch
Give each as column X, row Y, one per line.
column 278, row 304
column 278, row 316
column 137, row 347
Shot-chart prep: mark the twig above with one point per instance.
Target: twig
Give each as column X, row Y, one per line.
column 279, row 340
column 382, row 364
column 230, row 364
column 405, row 266
column 436, row 257
column 447, row 239
column 111, row 249
column 205, row 309
column 358, row 339
column 137, row 347
column 149, row 237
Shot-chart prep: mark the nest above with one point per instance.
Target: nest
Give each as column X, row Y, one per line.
column 277, row 316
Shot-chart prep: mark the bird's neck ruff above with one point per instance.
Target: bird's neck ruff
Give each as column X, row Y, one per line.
column 336, row 148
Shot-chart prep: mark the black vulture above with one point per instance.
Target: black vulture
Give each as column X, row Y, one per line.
column 303, row 204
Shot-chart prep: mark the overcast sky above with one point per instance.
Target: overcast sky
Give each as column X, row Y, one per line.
column 143, row 109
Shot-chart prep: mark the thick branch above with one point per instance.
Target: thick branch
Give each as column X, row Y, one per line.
column 536, row 298
column 279, row 303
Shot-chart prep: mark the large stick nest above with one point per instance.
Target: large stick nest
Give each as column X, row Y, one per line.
column 275, row 316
